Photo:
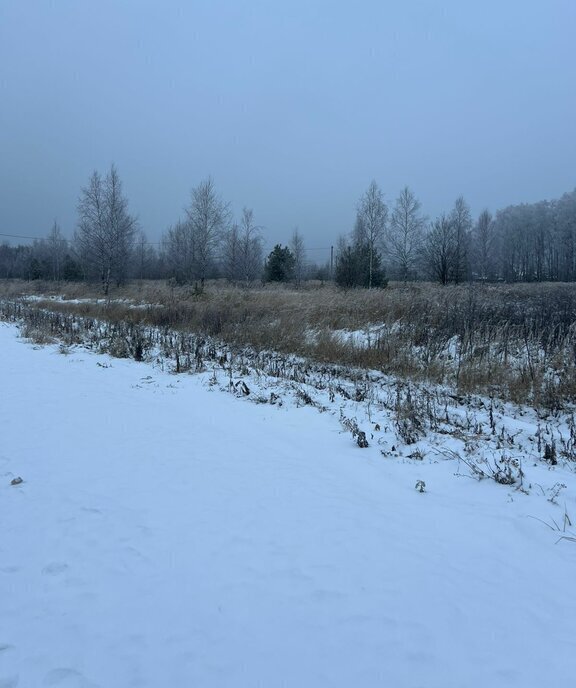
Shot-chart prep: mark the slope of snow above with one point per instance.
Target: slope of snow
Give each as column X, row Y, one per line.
column 168, row 534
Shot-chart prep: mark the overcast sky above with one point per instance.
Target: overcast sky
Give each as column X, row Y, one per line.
column 292, row 107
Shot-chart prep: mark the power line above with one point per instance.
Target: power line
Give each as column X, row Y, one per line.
column 20, row 236
column 150, row 243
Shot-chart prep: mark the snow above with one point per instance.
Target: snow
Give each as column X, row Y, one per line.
column 51, row 298
column 169, row 534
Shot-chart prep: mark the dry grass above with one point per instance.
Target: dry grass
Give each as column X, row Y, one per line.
column 513, row 341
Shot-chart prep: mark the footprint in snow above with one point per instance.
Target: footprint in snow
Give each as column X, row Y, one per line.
column 9, row 681
column 10, row 569
column 91, row 510
column 67, row 678
column 54, row 569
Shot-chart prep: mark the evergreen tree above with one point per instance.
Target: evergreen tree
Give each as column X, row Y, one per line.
column 280, row 265
column 359, row 266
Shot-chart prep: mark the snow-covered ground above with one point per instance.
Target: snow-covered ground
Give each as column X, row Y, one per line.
column 167, row 534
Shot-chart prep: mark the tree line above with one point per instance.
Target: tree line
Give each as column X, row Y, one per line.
column 528, row 242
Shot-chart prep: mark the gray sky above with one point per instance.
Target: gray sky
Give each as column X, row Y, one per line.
column 292, row 107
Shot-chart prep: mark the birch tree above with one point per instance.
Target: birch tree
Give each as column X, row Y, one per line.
column 208, row 217
column 250, row 248
column 299, row 253
column 405, row 233
column 484, row 246
column 370, row 225
column 106, row 230
column 242, row 250
column 122, row 226
column 461, row 221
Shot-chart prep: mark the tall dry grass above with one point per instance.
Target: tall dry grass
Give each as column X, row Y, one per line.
column 513, row 341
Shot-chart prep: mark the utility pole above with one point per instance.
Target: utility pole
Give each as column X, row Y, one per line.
column 331, row 262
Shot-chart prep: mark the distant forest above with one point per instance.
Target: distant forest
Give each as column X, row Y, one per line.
column 522, row 243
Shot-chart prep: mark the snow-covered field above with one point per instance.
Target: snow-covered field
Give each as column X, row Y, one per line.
column 167, row 534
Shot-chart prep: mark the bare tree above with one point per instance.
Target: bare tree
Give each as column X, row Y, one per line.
column 231, row 253
column 405, row 233
column 242, row 250
column 484, row 246
column 122, row 226
column 92, row 234
column 370, row 225
column 438, row 250
column 56, row 248
column 179, row 252
column 251, row 253
column 461, row 221
column 298, row 251
column 144, row 258
column 208, row 217
column 106, row 230
column 565, row 233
